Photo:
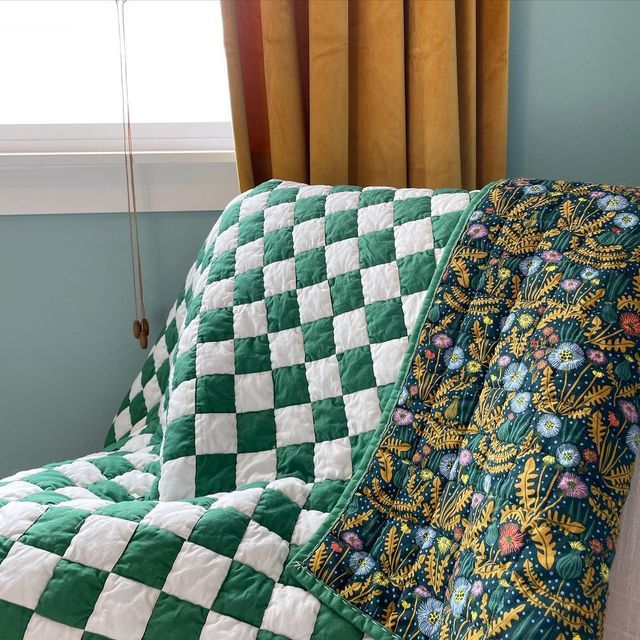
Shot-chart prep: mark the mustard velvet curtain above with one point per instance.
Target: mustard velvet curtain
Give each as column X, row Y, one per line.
column 385, row 92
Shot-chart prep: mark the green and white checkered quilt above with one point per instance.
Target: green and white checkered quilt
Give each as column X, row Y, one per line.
column 267, row 381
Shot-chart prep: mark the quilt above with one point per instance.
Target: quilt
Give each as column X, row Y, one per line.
column 489, row 503
column 122, row 544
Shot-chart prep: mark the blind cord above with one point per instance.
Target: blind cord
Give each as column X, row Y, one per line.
column 140, row 324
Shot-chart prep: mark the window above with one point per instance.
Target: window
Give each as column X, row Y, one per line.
column 61, row 113
column 61, row 77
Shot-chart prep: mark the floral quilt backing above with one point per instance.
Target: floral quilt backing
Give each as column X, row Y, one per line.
column 490, row 504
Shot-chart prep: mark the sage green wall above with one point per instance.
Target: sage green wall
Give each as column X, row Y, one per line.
column 574, row 90
column 66, row 349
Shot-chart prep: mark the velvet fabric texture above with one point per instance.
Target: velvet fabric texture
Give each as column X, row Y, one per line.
column 392, row 92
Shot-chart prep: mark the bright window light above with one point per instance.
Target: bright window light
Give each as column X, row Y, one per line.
column 61, row 62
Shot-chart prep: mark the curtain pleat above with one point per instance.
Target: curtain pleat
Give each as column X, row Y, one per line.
column 384, row 92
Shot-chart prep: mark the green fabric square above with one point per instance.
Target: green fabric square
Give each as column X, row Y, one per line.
column 148, row 370
column 282, row 311
column 220, row 530
column 340, row 226
column 329, row 419
column 149, row 556
column 223, row 267
column 184, row 368
column 112, row 465
column 216, row 325
column 290, row 386
column 171, row 336
column 369, row 197
column 256, row 431
column 311, row 267
column 170, row 614
column 277, row 512
column 269, row 185
column 183, row 439
column 108, row 490
column 230, row 216
column 318, row 339
column 251, row 228
column 278, row 245
column 14, row 620
column 244, row 594
column 137, row 408
column 71, row 594
column 359, row 446
column 193, row 309
column 5, row 545
column 415, row 271
column 411, row 209
column 308, row 208
column 296, row 461
column 384, row 393
column 324, row 495
column 215, row 472
column 49, row 479
column 55, row 529
column 356, row 370
column 249, row 287
column 328, row 620
column 252, row 354
column 378, row 247
column 280, row 196
column 346, row 292
column 133, row 510
column 263, row 634
column 215, row 394
column 385, row 320
column 443, row 227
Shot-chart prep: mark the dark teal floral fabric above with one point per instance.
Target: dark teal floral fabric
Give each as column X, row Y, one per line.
column 491, row 506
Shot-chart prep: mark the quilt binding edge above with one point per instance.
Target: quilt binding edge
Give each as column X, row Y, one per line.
column 301, row 574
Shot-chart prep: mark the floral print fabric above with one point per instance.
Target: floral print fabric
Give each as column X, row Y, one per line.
column 492, row 504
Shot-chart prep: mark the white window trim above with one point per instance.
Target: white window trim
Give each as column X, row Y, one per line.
column 79, row 168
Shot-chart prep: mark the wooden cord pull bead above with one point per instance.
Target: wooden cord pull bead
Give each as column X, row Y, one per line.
column 144, row 341
column 145, row 326
column 137, row 329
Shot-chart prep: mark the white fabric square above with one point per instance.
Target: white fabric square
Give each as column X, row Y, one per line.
column 255, row 467
column 254, row 391
column 136, row 482
column 314, row 302
column 411, row 306
column 387, row 358
column 17, row 517
column 308, row 235
column 279, row 216
column 18, row 489
column 253, row 204
column 218, row 295
column 182, row 400
column 342, row 256
column 413, row 237
column 263, row 550
column 178, row 478
column 117, row 594
column 197, row 575
column 406, row 194
column 100, row 541
column 307, row 524
column 350, row 330
column 446, row 202
column 250, row 255
column 216, row 433
column 76, row 493
column 437, row 254
column 250, row 320
column 381, row 282
column 332, row 460
column 81, row 472
column 226, row 241
column 177, row 517
column 323, row 377
column 244, row 501
column 294, row 425
column 215, row 357
column 279, row 277
column 189, row 336
column 294, row 488
column 219, row 627
column 341, row 201
column 312, row 191
column 375, row 218
column 292, row 612
column 40, row 628
column 286, row 348
column 363, row 412
column 24, row 574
